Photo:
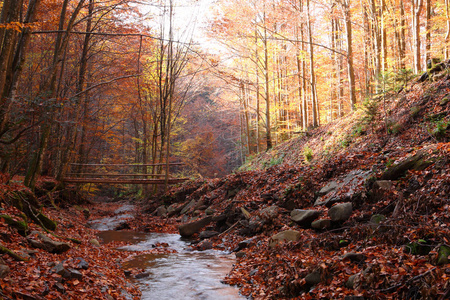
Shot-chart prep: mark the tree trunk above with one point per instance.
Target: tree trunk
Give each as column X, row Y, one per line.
column 351, row 72
column 416, row 11
column 311, row 70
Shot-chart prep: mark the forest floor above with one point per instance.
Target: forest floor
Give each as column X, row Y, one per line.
column 356, row 209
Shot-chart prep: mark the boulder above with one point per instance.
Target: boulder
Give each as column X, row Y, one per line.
column 343, row 189
column 188, row 229
column 331, row 186
column 209, row 211
column 416, row 162
column 321, row 224
column 189, row 206
column 304, row 216
column 287, row 235
column 352, row 281
column 41, row 241
column 340, row 212
column 174, row 209
column 207, row 234
column 160, row 211
column 205, row 245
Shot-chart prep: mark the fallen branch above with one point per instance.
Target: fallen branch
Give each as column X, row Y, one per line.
column 232, row 226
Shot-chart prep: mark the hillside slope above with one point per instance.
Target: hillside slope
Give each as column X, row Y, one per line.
column 356, row 208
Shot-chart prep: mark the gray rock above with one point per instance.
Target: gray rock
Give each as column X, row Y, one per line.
column 59, row 287
column 321, row 224
column 331, row 186
column 82, row 264
column 340, row 212
column 74, row 274
column 61, row 271
column 209, row 211
column 245, row 243
column 304, row 217
column 174, row 209
column 287, row 235
column 187, row 230
column 205, row 245
column 160, row 211
column 4, row 271
column 41, row 241
column 344, row 188
column 357, row 257
column 351, row 281
column 313, row 278
column 207, row 234
column 187, row 207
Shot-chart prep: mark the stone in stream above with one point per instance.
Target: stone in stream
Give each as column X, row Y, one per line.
column 207, row 234
column 142, row 275
column 189, row 229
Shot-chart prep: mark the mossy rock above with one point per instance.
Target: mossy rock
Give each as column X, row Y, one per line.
column 377, row 219
column 21, row 226
column 417, row 248
column 47, row 222
column 443, row 255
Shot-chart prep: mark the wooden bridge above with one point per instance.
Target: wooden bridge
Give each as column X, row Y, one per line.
column 122, row 178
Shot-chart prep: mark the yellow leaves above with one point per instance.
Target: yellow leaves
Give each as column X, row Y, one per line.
column 16, row 26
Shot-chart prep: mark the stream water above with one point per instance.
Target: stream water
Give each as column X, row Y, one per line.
column 183, row 275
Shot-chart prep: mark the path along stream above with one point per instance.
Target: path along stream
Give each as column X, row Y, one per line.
column 183, row 275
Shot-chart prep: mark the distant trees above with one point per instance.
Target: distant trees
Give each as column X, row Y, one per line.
column 304, row 46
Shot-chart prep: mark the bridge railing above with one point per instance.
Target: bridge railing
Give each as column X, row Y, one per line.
column 119, row 177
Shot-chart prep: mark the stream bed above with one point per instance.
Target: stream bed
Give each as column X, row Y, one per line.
column 184, row 274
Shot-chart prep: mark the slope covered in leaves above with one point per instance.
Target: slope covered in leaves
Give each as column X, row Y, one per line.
column 390, row 161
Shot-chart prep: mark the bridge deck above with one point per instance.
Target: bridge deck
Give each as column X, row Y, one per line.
column 124, row 181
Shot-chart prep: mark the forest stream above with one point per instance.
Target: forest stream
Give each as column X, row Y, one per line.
column 183, row 274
